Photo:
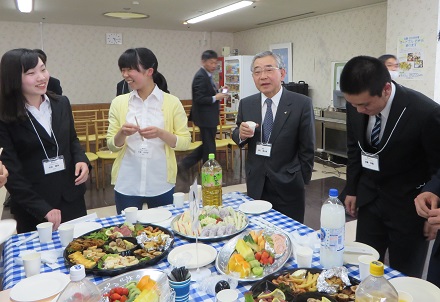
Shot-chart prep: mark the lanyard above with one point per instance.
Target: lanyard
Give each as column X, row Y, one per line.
column 42, row 145
column 386, row 143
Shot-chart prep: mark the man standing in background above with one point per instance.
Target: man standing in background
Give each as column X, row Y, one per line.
column 205, row 109
column 393, row 149
column 54, row 84
column 280, row 152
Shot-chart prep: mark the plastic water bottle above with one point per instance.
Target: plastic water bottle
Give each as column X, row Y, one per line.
column 332, row 231
column 211, row 182
column 79, row 289
column 375, row 287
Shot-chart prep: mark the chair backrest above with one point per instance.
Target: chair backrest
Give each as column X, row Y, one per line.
column 85, row 115
column 104, row 113
column 101, row 127
column 82, row 129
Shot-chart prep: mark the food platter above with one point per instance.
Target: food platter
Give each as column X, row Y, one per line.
column 269, row 283
column 154, row 243
column 224, row 255
column 120, row 280
column 181, row 225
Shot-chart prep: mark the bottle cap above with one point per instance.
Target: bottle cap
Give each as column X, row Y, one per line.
column 211, row 156
column 77, row 272
column 376, row 268
column 333, row 193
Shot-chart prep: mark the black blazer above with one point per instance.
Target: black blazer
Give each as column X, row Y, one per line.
column 31, row 190
column 54, row 85
column 122, row 88
column 410, row 157
column 204, row 113
column 293, row 143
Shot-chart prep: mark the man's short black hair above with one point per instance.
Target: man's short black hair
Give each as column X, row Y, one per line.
column 364, row 73
column 209, row 54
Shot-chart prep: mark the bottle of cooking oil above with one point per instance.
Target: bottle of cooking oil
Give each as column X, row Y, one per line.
column 211, row 182
column 375, row 288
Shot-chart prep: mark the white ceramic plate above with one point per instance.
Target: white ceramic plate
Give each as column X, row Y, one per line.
column 206, row 253
column 352, row 258
column 255, row 206
column 85, row 227
column 39, row 287
column 420, row 289
column 153, row 215
column 7, row 228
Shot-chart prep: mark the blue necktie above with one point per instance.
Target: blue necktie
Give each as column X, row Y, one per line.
column 268, row 121
column 375, row 132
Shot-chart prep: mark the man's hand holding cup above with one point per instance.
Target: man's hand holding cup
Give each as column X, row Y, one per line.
column 247, row 129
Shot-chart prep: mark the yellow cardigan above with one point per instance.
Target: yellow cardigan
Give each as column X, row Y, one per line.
column 175, row 120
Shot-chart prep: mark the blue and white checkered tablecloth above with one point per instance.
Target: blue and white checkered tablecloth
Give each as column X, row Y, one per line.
column 14, row 273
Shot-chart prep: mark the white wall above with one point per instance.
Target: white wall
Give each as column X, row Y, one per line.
column 317, row 41
column 87, row 67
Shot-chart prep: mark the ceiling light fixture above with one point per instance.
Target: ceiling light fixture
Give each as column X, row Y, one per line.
column 220, row 11
column 24, row 6
column 126, row 15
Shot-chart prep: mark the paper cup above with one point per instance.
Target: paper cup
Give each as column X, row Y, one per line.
column 364, row 265
column 405, row 296
column 304, row 255
column 181, row 288
column 251, row 125
column 45, row 232
column 31, row 264
column 179, row 199
column 66, row 233
column 131, row 214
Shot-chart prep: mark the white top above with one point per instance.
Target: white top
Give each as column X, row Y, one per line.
column 385, row 113
column 141, row 176
column 43, row 115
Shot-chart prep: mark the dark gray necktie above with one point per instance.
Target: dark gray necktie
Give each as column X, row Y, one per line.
column 212, row 83
column 268, row 121
column 375, row 132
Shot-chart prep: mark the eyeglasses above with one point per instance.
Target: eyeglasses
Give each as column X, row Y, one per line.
column 268, row 69
column 392, row 65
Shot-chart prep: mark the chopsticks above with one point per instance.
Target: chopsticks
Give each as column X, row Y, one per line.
column 137, row 123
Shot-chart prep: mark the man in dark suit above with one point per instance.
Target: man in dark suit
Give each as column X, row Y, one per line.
column 393, row 149
column 122, row 88
column 427, row 205
column 205, row 109
column 281, row 149
column 54, row 84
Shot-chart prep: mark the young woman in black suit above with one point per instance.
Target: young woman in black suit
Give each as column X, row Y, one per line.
column 47, row 165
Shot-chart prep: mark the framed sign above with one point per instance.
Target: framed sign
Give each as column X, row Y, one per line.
column 284, row 50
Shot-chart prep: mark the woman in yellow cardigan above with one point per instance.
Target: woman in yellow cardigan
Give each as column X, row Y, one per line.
column 146, row 126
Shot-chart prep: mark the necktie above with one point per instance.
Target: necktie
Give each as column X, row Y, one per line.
column 375, row 132
column 268, row 121
column 212, row 83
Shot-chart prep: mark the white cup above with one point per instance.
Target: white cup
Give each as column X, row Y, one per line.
column 66, row 233
column 304, row 255
column 179, row 199
column 31, row 263
column 364, row 265
column 405, row 296
column 131, row 214
column 227, row 295
column 45, row 232
column 252, row 125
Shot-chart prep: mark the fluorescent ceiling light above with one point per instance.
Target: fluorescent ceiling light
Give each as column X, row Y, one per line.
column 220, row 11
column 25, row 6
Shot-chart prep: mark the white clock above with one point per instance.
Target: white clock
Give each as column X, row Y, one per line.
column 113, row 38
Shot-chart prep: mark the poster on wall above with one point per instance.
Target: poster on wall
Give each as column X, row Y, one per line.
column 284, row 50
column 410, row 53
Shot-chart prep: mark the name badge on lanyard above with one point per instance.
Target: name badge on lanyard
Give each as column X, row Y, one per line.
column 370, row 161
column 263, row 149
column 54, row 164
column 144, row 151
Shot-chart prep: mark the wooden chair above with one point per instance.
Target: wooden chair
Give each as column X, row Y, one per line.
column 82, row 129
column 105, row 156
column 88, row 115
column 104, row 113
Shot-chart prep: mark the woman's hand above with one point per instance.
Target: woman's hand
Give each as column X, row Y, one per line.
column 3, row 175
column 126, row 130
column 82, row 173
column 151, row 132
